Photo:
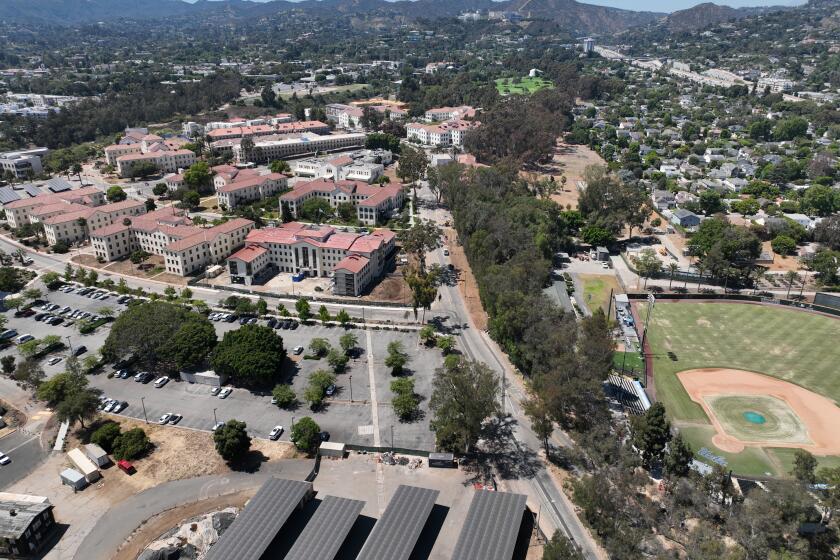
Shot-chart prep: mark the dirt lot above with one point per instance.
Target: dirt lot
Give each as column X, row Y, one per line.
column 392, row 288
column 570, row 161
column 469, row 287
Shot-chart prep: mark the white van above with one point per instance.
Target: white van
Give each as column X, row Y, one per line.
column 24, row 338
column 161, row 381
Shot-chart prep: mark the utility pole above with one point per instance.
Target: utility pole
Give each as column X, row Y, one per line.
column 143, row 402
column 351, row 389
column 214, row 417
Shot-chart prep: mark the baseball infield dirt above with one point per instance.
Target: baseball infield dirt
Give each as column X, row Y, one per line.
column 819, row 415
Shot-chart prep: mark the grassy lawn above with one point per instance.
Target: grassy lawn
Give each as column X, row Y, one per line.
column 791, row 345
column 631, row 361
column 752, row 461
column 784, row 456
column 526, row 85
column 596, row 290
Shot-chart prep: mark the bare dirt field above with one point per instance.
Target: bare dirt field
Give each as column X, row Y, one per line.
column 570, row 161
column 818, row 415
column 392, row 288
column 469, row 286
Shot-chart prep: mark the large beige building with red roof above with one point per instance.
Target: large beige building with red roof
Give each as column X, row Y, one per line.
column 248, row 187
column 353, row 259
column 168, row 232
column 374, row 203
column 167, row 155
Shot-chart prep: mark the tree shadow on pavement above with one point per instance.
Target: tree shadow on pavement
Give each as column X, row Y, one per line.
column 250, row 463
column 511, row 458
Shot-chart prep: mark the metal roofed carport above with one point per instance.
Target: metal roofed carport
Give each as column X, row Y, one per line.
column 264, row 515
column 491, row 527
column 395, row 534
column 325, row 532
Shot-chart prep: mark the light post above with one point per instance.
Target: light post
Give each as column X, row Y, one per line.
column 392, row 438
column 69, row 344
column 293, row 422
column 351, row 389
column 215, row 421
column 143, row 402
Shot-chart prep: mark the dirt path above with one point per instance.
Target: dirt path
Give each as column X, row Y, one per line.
column 162, row 522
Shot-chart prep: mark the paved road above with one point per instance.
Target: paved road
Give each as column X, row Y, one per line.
column 115, row 526
column 24, row 448
column 478, row 346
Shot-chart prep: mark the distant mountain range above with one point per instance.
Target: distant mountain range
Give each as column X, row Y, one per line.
column 704, row 15
column 575, row 16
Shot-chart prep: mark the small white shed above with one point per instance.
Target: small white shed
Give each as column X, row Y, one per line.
column 331, row 449
column 73, row 478
column 97, row 454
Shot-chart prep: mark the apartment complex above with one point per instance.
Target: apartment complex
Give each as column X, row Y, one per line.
column 136, row 148
column 18, row 212
column 168, row 232
column 350, row 116
column 441, row 114
column 278, row 147
column 249, row 187
column 354, row 260
column 373, row 203
column 23, row 163
column 258, row 130
column 449, row 133
column 192, row 129
column 361, row 165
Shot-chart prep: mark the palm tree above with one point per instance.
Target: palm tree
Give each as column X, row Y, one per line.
column 673, row 268
column 790, row 275
column 758, row 273
column 77, row 169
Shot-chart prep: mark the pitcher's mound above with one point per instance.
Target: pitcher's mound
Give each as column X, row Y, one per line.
column 750, row 409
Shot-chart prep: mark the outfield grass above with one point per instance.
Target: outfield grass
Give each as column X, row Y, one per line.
column 631, row 361
column 795, row 346
column 526, row 85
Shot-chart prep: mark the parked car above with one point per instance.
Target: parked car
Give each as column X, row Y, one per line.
column 218, row 425
column 24, row 338
column 119, row 407
column 275, row 433
column 7, row 334
column 271, row 323
column 293, row 325
column 175, row 418
column 4, row 459
column 223, row 394
column 330, row 391
column 161, row 381
column 215, row 391
column 298, row 350
column 165, row 418
column 54, row 360
column 79, row 350
column 324, row 436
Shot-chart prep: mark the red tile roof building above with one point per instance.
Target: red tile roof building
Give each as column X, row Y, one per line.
column 317, row 251
column 374, row 203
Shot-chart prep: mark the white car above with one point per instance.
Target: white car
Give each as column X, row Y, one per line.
column 109, row 406
column 161, row 381
column 223, row 394
column 4, row 459
column 55, row 360
column 298, row 350
column 165, row 418
column 275, row 433
column 24, row 338
column 218, row 425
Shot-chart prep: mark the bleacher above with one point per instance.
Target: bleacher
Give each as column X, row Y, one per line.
column 621, row 389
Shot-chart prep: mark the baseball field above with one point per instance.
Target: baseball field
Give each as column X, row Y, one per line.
column 748, row 384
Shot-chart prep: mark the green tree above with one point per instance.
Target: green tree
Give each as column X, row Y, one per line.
column 262, row 307
column 323, row 314
column 302, row 308
column 232, row 441
column 790, row 128
column 131, row 444
column 446, row 344
column 319, row 347
column 115, row 194
column 428, row 335
column 284, row 395
column 457, row 421
column 160, row 189
column 348, row 342
column 319, row 381
column 651, row 434
column 191, row 199
column 252, row 355
column 51, row 280
column 337, row 360
column 69, row 395
column 678, row 458
column 424, row 288
column 405, row 401
column 412, row 165
column 68, row 272
column 198, row 177
column 710, row 202
column 783, row 245
column 397, row 357
column 804, row 466
column 106, row 435
column 306, row 434
column 343, row 318
column 315, row 210
column 647, row 264
column 560, row 548
column 8, row 364
column 191, row 344
column 419, row 239
column 279, row 166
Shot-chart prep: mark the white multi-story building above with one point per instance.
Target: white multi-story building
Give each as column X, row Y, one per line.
column 258, row 130
column 19, row 212
column 23, row 163
column 441, row 114
column 450, row 133
column 74, row 226
column 373, row 203
column 319, row 251
column 169, row 161
column 776, row 85
column 363, row 165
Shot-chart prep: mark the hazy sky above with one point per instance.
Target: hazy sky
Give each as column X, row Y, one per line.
column 672, row 5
